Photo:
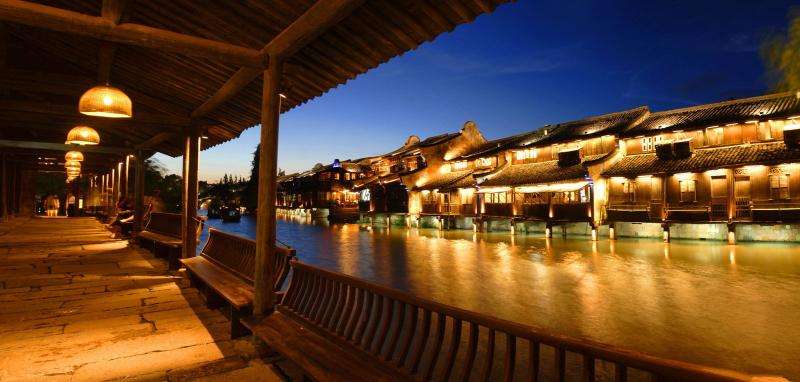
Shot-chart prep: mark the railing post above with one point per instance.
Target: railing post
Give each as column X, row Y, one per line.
column 189, row 219
column 267, row 184
column 138, row 191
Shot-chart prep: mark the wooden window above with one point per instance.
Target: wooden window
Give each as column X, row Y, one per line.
column 523, row 155
column 649, row 143
column 655, row 188
column 688, row 193
column 741, row 187
column 779, row 186
column 629, row 190
column 714, row 136
column 719, row 187
column 486, row 162
column 497, row 198
column 461, row 165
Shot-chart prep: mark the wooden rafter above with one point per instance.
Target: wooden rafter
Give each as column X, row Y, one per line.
column 321, row 16
column 72, row 111
column 61, row 20
column 112, row 11
column 63, row 147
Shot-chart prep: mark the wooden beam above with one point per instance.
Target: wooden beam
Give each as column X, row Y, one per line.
column 62, row 147
column 316, row 20
column 61, row 20
column 154, row 141
column 72, row 85
column 267, row 189
column 72, row 111
column 111, row 11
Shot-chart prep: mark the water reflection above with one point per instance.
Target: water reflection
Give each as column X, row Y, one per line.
column 720, row 305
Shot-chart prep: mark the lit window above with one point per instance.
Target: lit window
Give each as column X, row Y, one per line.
column 714, row 135
column 485, row 162
column 629, row 190
column 526, row 154
column 688, row 193
column 779, row 186
column 459, row 165
column 649, row 143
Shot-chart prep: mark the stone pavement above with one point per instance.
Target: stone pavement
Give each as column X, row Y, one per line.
column 76, row 305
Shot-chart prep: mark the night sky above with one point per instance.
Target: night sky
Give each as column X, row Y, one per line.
column 530, row 63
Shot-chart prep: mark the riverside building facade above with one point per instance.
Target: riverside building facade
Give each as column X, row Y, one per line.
column 722, row 171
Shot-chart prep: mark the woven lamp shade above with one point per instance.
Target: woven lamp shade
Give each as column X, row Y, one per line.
column 73, row 173
column 76, row 156
column 105, row 101
column 72, row 164
column 82, row 135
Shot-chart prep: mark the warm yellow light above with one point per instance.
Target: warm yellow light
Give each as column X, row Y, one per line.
column 618, row 179
column 82, row 135
column 76, row 156
column 105, row 101
column 684, row 175
column 716, row 172
column 72, row 164
column 644, row 177
column 752, row 168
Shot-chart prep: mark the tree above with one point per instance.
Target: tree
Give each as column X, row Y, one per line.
column 250, row 194
column 782, row 56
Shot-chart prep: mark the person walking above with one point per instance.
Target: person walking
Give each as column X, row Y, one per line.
column 71, row 207
column 52, row 204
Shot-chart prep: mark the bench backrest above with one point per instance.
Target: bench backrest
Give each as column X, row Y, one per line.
column 165, row 223
column 238, row 254
column 170, row 224
column 428, row 339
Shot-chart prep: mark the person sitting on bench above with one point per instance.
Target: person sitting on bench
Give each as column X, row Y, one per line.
column 120, row 226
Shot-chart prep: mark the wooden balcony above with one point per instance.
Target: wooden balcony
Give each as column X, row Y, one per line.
column 538, row 211
column 571, row 212
column 498, row 209
column 775, row 211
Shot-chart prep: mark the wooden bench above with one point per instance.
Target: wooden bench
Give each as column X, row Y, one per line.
column 224, row 273
column 339, row 328
column 163, row 236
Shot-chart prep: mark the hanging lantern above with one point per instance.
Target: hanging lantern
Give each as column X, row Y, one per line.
column 72, row 164
column 74, row 156
column 105, row 101
column 82, row 135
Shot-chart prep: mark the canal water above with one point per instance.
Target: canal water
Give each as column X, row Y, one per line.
column 736, row 307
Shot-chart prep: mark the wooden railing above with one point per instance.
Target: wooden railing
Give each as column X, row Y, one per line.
column 433, row 341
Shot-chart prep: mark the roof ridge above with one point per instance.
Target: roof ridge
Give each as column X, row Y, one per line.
column 725, row 103
column 602, row 116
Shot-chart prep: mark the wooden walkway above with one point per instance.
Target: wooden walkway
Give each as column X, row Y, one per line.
column 76, row 305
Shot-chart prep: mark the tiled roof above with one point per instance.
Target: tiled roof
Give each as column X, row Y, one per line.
column 705, row 159
column 534, row 173
column 444, row 180
column 779, row 105
column 465, row 182
column 437, row 139
column 497, row 145
column 613, row 123
column 355, row 167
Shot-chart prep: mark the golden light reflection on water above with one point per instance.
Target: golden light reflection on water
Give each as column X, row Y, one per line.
column 706, row 302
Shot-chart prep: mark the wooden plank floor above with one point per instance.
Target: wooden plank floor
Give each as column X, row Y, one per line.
column 76, row 305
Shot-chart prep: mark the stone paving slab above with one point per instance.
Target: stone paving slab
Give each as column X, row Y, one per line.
column 76, row 305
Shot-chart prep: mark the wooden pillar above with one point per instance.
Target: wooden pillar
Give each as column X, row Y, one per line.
column 112, row 200
column 190, row 168
column 138, row 192
column 4, row 189
column 118, row 192
column 126, row 170
column 267, row 188
column 103, row 192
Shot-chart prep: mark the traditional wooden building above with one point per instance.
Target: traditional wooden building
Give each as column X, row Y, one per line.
column 386, row 192
column 716, row 166
column 550, row 175
column 324, row 191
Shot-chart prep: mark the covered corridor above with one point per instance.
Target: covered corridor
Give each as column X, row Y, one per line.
column 79, row 306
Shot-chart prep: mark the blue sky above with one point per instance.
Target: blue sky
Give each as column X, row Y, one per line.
column 528, row 64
